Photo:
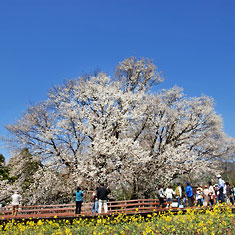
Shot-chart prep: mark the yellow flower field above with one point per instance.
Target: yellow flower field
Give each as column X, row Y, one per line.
column 220, row 220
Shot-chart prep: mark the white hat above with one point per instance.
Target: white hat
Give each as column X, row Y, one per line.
column 218, row 176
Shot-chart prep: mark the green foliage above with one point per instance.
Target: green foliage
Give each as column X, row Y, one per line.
column 2, row 160
column 4, row 172
column 229, row 172
column 27, row 168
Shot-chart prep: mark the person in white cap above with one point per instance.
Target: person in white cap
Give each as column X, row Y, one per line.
column 221, row 188
column 16, row 198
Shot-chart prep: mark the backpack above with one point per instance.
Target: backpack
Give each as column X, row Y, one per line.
column 177, row 191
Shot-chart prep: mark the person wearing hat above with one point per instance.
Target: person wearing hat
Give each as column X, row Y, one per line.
column 221, row 188
column 199, row 196
column 16, row 198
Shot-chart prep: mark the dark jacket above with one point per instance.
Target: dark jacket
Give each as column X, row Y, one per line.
column 160, row 193
column 102, row 193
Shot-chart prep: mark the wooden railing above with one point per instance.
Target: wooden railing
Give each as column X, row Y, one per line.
column 140, row 205
column 68, row 210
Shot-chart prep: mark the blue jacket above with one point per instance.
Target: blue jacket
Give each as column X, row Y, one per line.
column 79, row 196
column 189, row 191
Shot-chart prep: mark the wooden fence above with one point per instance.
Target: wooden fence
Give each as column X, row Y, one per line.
column 68, row 210
column 131, row 206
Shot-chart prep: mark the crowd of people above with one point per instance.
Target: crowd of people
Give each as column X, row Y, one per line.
column 99, row 197
column 208, row 195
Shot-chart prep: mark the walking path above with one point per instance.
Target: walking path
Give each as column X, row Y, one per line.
column 66, row 211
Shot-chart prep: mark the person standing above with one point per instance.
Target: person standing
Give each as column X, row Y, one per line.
column 216, row 188
column 102, row 196
column 189, row 194
column 178, row 194
column 199, row 196
column 229, row 193
column 95, row 204
column 161, row 196
column 169, row 196
column 78, row 200
column 211, row 193
column 221, row 189
column 206, row 196
column 16, row 198
column 184, row 200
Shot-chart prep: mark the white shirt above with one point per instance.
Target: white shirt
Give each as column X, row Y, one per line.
column 206, row 192
column 225, row 189
column 16, row 199
column 211, row 191
column 199, row 194
column 221, row 183
column 169, row 193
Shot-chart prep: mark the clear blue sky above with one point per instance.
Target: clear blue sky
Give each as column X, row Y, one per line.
column 43, row 42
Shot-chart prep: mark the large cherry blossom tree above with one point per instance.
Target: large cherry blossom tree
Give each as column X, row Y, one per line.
column 122, row 131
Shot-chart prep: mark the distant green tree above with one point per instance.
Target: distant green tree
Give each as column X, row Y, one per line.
column 229, row 172
column 22, row 168
column 4, row 172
